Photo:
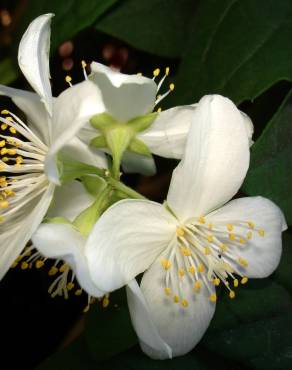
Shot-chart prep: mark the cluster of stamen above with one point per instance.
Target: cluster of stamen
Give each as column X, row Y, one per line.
column 203, row 253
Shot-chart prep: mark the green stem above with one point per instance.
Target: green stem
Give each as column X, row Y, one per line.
column 124, row 188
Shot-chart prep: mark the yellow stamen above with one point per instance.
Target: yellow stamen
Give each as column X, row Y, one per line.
column 39, row 264
column 167, row 71
column 192, row 270
column 235, row 283
column 250, row 225
column 12, row 130
column 180, row 231
column 216, row 281
column 249, row 235
column 63, row 267
column 167, row 291
column 201, row 220
column 207, row 251
column 4, row 111
column 223, row 247
column 244, row 280
column 197, row 285
column 261, row 232
column 242, row 262
column 78, row 292
column 210, row 238
column 53, row 270
column 213, row 297
column 181, row 272
column 232, row 236
column 201, row 267
column 176, row 299
column 159, row 110
column 166, row 264
column 229, row 227
column 156, row 72
column 105, row 302
column 70, row 285
column 83, row 64
column 68, row 79
column 185, row 251
column 4, row 204
column 184, row 303
column 171, row 87
column 231, row 294
column 24, row 265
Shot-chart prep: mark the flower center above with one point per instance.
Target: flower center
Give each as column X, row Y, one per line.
column 22, row 156
column 207, row 253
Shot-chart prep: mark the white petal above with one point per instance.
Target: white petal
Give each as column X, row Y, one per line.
column 215, row 162
column 13, row 241
column 62, row 241
column 137, row 163
column 33, row 57
column 180, row 327
column 249, row 127
column 126, row 240
column 262, row 253
column 125, row 96
column 72, row 110
column 36, row 114
column 69, row 201
column 168, row 134
column 143, row 324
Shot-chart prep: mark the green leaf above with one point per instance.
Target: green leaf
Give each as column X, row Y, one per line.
column 237, row 48
column 270, row 173
column 155, row 26
column 8, row 71
column 109, row 330
column 283, row 272
column 71, row 16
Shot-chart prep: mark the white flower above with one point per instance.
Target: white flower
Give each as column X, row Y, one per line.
column 194, row 242
column 25, row 191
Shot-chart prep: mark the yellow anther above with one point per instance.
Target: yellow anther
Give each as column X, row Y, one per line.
column 210, row 226
column 68, row 79
column 223, row 247
column 70, row 285
column 198, row 285
column 249, row 235
column 207, row 251
column 2, row 143
column 166, row 264
column 24, row 265
column 83, row 64
column 53, row 270
column 4, row 204
column 176, row 299
column 10, row 119
column 159, row 110
column 11, row 151
column 181, row 272
column 39, row 264
column 180, row 231
column 261, row 232
column 167, row 291
column 3, row 151
column 244, row 280
column 19, row 160
column 5, row 159
column 12, row 130
column 192, row 270
column 185, row 251
column 4, row 111
column 229, row 227
column 213, row 297
column 235, row 283
column 4, row 126
column 156, row 72
column 201, row 220
column 63, row 267
column 105, row 302
column 250, row 225
column 210, row 238
column 167, row 69
column 232, row 236
column 78, row 292
column 201, row 267
column 231, row 294
column 184, row 303
column 171, row 87
column 139, row 74
column 242, row 241
column 242, row 262
column 216, row 281
column 2, row 167
column 86, row 309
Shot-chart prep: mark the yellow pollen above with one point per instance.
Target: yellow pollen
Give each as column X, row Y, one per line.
column 216, row 281
column 184, row 303
column 231, row 294
column 4, row 111
column 242, row 241
column 197, row 285
column 223, row 247
column 159, row 110
column 166, row 264
column 39, row 264
column 185, row 251
column 5, row 159
column 210, row 226
column 229, row 227
column 201, row 220
column 53, row 270
column 63, row 267
column 244, row 280
column 167, row 71
column 12, row 130
column 242, row 262
column 68, row 79
column 167, row 291
column 4, row 126
column 235, row 283
column 24, row 265
column 250, row 225
column 232, row 236
column 11, row 151
column 176, row 299
column 249, row 235
column 210, row 238
column 171, row 87
column 201, row 268
column 4, row 151
column 192, row 270
column 207, row 251
column 19, row 160
column 83, row 64
column 180, row 231
column 78, row 292
column 10, row 119
column 261, row 232
column 213, row 297
column 4, row 204
column 181, row 272
column 105, row 302
column 70, row 285
column 2, row 143
column 156, row 72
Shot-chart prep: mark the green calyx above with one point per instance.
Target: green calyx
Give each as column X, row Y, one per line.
column 121, row 136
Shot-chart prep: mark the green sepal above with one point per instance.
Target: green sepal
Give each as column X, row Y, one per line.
column 56, row 220
column 93, row 184
column 137, row 146
column 102, row 121
column 99, row 142
column 141, row 123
